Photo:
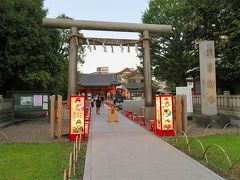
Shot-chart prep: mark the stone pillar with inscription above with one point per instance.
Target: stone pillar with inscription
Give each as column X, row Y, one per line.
column 208, row 78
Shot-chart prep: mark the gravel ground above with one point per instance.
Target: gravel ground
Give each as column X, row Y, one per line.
column 31, row 130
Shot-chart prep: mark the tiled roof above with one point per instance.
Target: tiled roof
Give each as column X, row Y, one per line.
column 98, row 79
column 136, row 71
column 129, row 70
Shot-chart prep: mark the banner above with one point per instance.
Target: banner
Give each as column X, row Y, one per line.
column 77, row 116
column 164, row 115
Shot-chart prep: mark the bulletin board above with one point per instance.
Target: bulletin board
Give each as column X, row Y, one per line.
column 29, row 103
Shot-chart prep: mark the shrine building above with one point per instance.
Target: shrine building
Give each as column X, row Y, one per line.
column 128, row 83
column 97, row 84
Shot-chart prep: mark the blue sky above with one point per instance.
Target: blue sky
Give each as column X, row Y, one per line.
column 103, row 10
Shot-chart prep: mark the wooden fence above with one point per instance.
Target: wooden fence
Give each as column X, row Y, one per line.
column 226, row 105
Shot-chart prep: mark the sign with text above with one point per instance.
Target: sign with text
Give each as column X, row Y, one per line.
column 30, row 101
column 208, row 78
column 188, row 92
column 164, row 115
column 77, row 116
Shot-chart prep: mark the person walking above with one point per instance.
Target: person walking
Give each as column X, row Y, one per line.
column 114, row 101
column 102, row 101
column 92, row 102
column 98, row 105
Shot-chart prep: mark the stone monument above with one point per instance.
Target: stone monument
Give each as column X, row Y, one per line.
column 208, row 83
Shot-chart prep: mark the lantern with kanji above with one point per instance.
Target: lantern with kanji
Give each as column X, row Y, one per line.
column 164, row 115
column 77, row 117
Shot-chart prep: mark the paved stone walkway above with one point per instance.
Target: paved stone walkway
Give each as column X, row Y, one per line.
column 126, row 151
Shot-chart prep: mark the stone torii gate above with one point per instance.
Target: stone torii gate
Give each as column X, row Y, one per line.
column 145, row 29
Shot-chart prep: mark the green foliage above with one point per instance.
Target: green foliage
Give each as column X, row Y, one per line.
column 170, row 56
column 171, row 87
column 34, row 161
column 34, row 79
column 81, row 161
column 64, row 43
column 174, row 54
column 32, row 57
column 27, row 49
column 219, row 21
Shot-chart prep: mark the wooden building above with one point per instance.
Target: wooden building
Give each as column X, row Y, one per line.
column 133, row 83
column 97, row 84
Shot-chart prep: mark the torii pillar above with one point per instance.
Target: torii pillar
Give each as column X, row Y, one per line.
column 72, row 70
column 74, row 25
column 149, row 110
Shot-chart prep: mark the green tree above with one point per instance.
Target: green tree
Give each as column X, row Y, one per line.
column 31, row 57
column 170, row 53
column 28, row 52
column 219, row 21
column 193, row 21
column 229, row 66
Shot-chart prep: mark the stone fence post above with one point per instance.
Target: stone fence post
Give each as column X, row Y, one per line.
column 226, row 95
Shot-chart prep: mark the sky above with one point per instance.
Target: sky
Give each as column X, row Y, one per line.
column 129, row 11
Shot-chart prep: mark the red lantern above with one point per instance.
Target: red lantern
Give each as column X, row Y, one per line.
column 87, row 126
column 164, row 115
column 77, row 117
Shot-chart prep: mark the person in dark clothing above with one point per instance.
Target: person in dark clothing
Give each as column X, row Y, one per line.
column 92, row 102
column 114, row 100
column 102, row 101
column 98, row 105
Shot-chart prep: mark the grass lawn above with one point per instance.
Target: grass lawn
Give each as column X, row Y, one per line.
column 35, row 161
column 216, row 158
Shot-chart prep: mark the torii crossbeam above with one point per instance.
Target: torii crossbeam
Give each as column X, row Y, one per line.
column 145, row 29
